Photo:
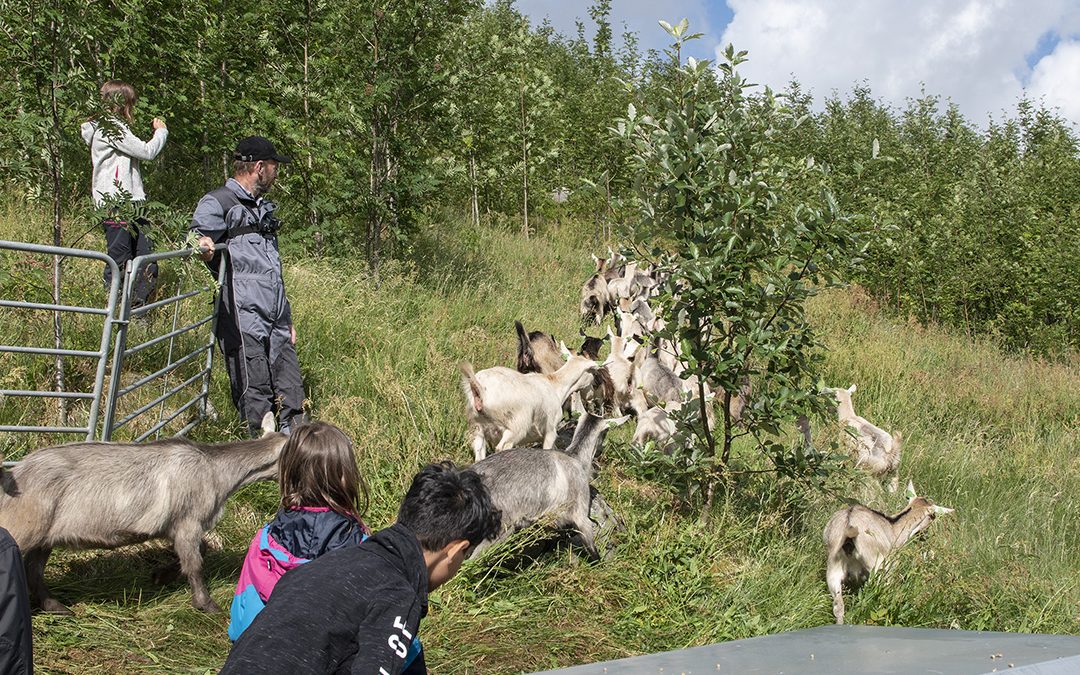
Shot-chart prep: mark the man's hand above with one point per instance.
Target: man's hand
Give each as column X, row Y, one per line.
column 292, row 334
column 207, row 244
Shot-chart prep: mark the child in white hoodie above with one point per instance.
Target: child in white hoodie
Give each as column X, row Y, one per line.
column 115, row 153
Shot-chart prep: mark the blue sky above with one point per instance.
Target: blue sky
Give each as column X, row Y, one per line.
column 982, row 54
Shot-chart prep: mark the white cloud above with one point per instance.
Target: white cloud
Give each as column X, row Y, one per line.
column 971, row 51
column 1056, row 80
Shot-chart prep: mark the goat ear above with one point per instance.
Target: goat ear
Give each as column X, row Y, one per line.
column 268, row 424
column 941, row 510
column 630, row 348
column 616, row 421
column 611, row 336
column 564, row 351
column 910, row 493
column 852, row 388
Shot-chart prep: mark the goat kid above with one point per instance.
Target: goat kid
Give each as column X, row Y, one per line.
column 507, row 408
column 875, row 450
column 858, row 539
column 531, row 484
column 104, row 495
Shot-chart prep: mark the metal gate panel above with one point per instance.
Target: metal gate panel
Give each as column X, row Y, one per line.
column 122, row 354
column 102, row 354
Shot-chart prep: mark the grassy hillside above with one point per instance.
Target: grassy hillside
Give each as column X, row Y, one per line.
column 994, row 436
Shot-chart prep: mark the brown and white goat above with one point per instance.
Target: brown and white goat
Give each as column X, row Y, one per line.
column 858, row 539
column 537, row 351
column 594, row 300
column 104, row 495
column 506, row 408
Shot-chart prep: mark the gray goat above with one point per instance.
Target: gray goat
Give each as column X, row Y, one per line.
column 858, row 539
column 529, row 484
column 104, row 495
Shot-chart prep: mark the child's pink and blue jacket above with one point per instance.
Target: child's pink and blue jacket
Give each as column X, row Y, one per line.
column 294, row 537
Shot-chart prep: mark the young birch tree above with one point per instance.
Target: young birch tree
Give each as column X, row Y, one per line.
column 712, row 212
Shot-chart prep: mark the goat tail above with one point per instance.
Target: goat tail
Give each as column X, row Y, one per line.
column 848, row 546
column 471, row 386
column 897, row 439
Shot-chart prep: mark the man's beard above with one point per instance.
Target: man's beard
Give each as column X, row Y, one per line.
column 262, row 184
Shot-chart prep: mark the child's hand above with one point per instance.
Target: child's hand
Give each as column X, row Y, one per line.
column 159, row 123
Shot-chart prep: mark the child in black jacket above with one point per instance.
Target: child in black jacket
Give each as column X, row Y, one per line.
column 357, row 609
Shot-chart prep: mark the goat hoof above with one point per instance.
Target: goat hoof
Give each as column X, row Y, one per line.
column 210, row 607
column 56, row 608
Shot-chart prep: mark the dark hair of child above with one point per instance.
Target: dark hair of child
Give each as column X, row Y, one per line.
column 317, row 467
column 446, row 504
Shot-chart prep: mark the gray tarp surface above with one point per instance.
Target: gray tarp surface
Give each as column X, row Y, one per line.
column 862, row 649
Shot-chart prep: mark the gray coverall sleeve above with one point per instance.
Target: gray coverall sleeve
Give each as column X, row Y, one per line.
column 209, row 220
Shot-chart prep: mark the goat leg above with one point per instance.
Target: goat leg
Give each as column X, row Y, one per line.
column 479, row 445
column 834, row 577
column 169, row 571
column 188, row 544
column 34, row 564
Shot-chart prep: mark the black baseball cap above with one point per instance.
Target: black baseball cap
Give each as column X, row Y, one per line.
column 254, row 148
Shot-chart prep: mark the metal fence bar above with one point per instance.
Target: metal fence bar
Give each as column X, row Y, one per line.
column 143, row 381
column 45, row 351
column 106, row 334
column 168, row 336
column 146, row 309
column 146, row 406
column 173, row 415
column 44, row 394
column 53, row 308
column 47, row 430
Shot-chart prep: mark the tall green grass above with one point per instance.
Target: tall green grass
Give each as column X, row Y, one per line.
column 994, row 436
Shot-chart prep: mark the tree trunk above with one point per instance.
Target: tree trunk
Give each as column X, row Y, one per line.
column 224, row 153
column 313, row 215
column 57, row 197
column 374, row 225
column 475, row 191
column 524, row 169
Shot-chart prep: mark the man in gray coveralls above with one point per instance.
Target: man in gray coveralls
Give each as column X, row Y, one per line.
column 254, row 328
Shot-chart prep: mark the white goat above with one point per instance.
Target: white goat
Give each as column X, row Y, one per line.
column 858, row 539
column 875, row 450
column 624, row 286
column 507, row 408
column 655, row 424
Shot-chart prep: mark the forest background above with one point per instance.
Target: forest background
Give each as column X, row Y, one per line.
column 429, row 143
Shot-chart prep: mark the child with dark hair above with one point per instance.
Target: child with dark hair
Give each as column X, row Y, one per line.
column 357, row 609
